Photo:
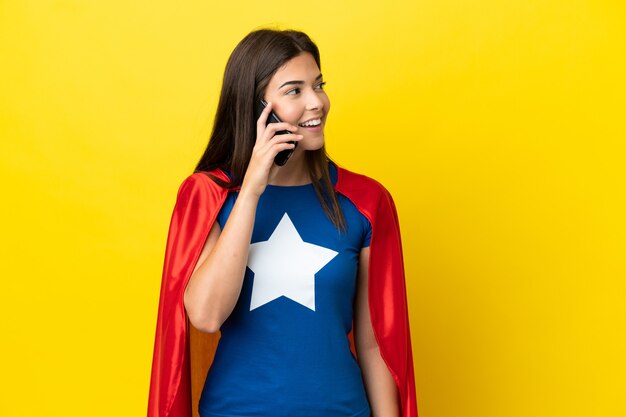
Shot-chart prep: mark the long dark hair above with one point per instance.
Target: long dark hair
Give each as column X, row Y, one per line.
column 250, row 67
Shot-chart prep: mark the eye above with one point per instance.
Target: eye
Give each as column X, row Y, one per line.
column 321, row 85
column 293, row 91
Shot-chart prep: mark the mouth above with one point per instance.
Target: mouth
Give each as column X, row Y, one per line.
column 311, row 122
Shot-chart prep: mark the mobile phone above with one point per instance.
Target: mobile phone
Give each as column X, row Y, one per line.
column 282, row 156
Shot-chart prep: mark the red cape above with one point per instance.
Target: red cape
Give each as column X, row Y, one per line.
column 197, row 205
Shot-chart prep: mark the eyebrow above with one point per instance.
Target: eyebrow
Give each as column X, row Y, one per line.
column 298, row 82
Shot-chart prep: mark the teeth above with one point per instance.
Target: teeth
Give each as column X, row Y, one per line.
column 314, row 122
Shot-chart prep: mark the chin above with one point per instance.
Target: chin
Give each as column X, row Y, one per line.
column 312, row 144
column 311, row 147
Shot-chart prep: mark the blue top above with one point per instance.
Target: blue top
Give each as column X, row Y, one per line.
column 284, row 349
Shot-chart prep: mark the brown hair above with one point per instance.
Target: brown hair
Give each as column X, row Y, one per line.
column 250, row 67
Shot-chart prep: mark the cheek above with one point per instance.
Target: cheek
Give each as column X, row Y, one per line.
column 286, row 112
column 326, row 102
column 291, row 114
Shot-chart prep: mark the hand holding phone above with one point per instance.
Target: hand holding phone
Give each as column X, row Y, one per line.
column 283, row 156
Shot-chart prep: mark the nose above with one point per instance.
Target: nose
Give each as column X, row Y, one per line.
column 314, row 102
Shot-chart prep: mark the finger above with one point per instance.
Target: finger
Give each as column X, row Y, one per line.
column 268, row 153
column 279, row 143
column 279, row 147
column 262, row 121
column 273, row 128
column 284, row 145
column 286, row 138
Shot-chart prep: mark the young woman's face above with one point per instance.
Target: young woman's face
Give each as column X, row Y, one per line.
column 297, row 96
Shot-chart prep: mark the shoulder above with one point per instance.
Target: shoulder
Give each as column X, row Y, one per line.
column 203, row 179
column 370, row 197
column 350, row 182
column 201, row 183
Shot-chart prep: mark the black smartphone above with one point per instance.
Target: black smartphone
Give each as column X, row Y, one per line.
column 282, row 156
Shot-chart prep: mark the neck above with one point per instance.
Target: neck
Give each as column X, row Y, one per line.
column 294, row 172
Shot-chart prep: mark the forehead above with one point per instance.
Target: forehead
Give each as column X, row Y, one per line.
column 302, row 67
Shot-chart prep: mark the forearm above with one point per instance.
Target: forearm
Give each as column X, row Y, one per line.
column 379, row 384
column 215, row 285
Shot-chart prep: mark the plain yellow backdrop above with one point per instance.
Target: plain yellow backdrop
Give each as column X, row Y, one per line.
column 498, row 126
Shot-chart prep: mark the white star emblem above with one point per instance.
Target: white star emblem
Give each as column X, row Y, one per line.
column 286, row 265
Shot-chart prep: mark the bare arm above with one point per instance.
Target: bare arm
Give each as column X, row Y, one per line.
column 215, row 284
column 379, row 384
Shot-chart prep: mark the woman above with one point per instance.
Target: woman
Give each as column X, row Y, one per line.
column 286, row 261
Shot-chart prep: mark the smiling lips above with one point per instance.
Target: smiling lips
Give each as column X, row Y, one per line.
column 311, row 123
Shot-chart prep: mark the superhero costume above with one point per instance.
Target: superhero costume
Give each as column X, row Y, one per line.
column 198, row 204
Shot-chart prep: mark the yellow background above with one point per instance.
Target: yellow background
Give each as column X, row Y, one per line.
column 498, row 126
